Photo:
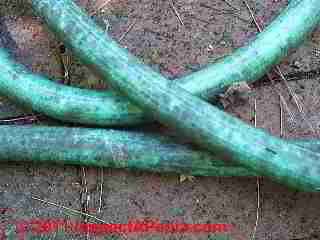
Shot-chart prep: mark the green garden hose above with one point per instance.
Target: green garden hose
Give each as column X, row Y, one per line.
column 170, row 104
column 113, row 148
column 87, row 96
column 142, row 151
column 110, row 148
column 111, row 109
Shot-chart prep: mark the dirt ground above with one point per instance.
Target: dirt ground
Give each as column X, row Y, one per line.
column 151, row 30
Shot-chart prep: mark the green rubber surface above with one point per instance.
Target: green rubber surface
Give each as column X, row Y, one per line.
column 114, row 148
column 173, row 106
column 111, row 109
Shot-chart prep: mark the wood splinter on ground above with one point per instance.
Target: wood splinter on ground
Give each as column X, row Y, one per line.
column 176, row 12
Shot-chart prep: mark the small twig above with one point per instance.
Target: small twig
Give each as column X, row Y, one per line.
column 87, row 198
column 281, row 118
column 84, row 198
column 295, row 76
column 176, row 12
column 252, row 16
column 94, row 12
column 31, row 117
column 231, row 5
column 258, row 182
column 258, row 210
column 69, row 209
column 101, row 187
column 128, row 30
column 84, row 183
column 255, row 112
column 77, row 212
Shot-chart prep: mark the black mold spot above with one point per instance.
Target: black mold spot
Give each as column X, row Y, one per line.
column 272, row 151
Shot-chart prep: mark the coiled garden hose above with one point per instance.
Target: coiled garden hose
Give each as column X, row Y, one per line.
column 170, row 104
column 120, row 149
column 23, row 71
column 111, row 109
